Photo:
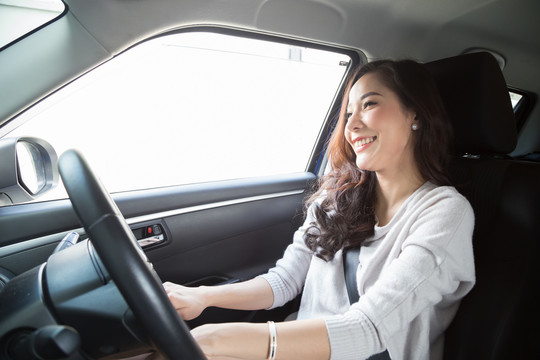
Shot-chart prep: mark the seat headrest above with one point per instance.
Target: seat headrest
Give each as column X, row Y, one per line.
column 476, row 98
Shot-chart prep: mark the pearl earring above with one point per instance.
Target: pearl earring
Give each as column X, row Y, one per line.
column 414, row 127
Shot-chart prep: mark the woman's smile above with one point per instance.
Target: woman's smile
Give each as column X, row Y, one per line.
column 362, row 142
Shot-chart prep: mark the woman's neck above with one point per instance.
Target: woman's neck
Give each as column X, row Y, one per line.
column 392, row 191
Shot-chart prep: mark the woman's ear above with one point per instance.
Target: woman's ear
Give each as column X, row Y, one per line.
column 415, row 124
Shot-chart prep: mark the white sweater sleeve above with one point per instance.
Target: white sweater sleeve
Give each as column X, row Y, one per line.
column 288, row 276
column 418, row 291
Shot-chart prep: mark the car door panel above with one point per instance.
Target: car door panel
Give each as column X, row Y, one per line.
column 200, row 228
column 217, row 232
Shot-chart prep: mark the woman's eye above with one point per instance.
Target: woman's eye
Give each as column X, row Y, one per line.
column 348, row 115
column 368, row 104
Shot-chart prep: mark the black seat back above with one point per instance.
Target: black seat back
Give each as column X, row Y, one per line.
column 500, row 318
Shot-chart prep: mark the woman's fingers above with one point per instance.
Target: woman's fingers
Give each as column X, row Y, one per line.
column 186, row 300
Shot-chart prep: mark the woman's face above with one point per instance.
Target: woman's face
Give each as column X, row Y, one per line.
column 379, row 127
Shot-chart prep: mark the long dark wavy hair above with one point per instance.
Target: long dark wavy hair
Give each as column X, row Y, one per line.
column 346, row 215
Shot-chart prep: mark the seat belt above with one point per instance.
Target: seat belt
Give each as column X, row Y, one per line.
column 350, row 266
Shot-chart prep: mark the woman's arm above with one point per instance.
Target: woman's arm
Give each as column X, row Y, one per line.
column 254, row 294
column 288, row 277
column 302, row 339
column 295, row 339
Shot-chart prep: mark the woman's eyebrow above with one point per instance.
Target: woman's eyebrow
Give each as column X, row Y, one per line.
column 369, row 94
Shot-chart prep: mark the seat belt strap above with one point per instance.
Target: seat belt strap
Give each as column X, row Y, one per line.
column 350, row 266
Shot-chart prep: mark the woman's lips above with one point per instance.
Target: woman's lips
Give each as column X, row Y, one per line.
column 362, row 142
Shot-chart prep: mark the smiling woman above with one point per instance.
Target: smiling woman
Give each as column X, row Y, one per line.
column 213, row 122
column 411, row 229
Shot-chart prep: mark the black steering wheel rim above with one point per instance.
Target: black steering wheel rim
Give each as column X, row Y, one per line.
column 125, row 261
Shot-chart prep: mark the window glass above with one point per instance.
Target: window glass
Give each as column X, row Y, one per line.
column 515, row 98
column 19, row 17
column 193, row 107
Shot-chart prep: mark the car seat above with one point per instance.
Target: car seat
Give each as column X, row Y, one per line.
column 499, row 318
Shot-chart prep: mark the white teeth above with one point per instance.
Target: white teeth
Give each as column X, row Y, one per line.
column 365, row 141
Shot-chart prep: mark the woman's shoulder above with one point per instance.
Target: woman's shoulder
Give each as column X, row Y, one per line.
column 443, row 196
column 441, row 209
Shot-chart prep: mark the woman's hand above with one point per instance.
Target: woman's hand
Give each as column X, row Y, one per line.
column 189, row 302
column 233, row 341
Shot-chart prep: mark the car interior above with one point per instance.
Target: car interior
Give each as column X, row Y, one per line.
column 81, row 273
column 499, row 189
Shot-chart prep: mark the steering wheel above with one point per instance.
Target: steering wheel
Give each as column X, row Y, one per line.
column 126, row 263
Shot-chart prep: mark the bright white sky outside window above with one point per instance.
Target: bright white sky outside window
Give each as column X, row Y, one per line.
column 515, row 98
column 193, row 107
column 19, row 17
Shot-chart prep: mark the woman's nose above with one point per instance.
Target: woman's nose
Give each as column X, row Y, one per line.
column 354, row 122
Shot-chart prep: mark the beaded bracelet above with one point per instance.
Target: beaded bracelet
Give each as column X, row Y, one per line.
column 273, row 341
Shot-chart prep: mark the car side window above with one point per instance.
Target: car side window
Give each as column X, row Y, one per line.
column 20, row 17
column 193, row 107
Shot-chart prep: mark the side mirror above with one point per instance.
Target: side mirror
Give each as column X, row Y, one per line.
column 28, row 169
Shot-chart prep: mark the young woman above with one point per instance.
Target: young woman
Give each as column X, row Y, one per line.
column 388, row 193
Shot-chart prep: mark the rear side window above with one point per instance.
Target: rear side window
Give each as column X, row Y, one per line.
column 522, row 102
column 193, row 107
column 515, row 98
